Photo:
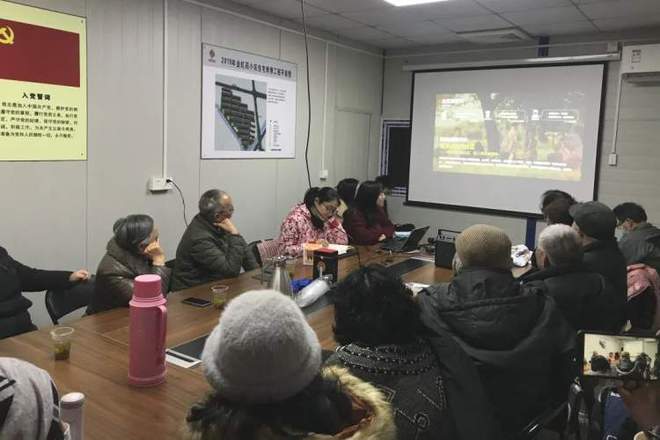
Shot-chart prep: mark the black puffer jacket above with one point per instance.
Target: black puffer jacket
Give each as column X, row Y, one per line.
column 582, row 296
column 16, row 278
column 605, row 258
column 207, row 253
column 114, row 277
column 515, row 334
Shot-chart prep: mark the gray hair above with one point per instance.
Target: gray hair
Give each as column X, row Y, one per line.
column 561, row 244
column 210, row 204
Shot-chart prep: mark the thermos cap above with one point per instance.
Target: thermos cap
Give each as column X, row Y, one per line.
column 72, row 400
column 147, row 286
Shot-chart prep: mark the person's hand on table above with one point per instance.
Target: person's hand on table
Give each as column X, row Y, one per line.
column 78, row 276
column 643, row 404
column 156, row 253
column 323, row 243
column 227, row 226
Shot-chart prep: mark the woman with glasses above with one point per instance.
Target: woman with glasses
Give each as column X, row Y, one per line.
column 313, row 221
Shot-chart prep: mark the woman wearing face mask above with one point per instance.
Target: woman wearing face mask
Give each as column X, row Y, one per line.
column 367, row 222
column 134, row 250
column 314, row 220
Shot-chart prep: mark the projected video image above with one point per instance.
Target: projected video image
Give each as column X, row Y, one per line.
column 509, row 135
column 621, row 357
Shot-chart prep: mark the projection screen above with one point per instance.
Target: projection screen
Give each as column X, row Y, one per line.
column 494, row 139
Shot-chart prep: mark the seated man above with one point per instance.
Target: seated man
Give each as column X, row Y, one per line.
column 595, row 224
column 211, row 248
column 518, row 339
column 581, row 295
column 641, row 240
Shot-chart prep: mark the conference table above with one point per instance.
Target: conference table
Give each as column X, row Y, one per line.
column 98, row 365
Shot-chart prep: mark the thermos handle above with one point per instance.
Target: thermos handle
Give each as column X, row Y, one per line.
column 163, row 332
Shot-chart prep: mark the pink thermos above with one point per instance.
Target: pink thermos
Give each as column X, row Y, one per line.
column 148, row 327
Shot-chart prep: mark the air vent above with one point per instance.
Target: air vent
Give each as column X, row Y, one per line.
column 493, row 36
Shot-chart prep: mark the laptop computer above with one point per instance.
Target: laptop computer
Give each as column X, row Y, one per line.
column 405, row 244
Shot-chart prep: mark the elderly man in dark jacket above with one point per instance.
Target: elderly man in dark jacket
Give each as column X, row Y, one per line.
column 211, row 248
column 514, row 333
column 16, row 278
column 584, row 297
column 595, row 223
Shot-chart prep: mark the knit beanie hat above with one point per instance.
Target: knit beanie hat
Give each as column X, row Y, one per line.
column 262, row 350
column 484, row 246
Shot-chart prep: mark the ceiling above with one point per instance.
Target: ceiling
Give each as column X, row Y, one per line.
column 379, row 24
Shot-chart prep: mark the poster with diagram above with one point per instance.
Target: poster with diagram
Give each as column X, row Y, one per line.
column 248, row 105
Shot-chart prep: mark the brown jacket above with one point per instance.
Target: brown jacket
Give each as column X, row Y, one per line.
column 114, row 277
column 376, row 424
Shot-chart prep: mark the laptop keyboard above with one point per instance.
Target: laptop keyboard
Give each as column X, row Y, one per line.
column 405, row 266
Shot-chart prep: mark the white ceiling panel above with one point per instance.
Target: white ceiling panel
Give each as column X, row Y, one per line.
column 346, row 5
column 332, row 22
column 545, row 16
column 621, row 8
column 365, row 33
column 392, row 43
column 380, row 24
column 521, row 5
column 467, row 24
column 448, row 9
column 416, row 28
column 285, row 8
column 622, row 23
column 580, row 27
column 442, row 38
column 384, row 16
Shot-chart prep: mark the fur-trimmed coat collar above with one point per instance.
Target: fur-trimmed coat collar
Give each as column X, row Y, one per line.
column 377, row 422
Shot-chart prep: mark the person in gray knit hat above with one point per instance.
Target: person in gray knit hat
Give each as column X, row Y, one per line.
column 263, row 361
column 514, row 333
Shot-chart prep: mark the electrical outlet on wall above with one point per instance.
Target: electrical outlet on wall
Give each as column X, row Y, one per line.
column 159, row 184
column 323, row 175
column 612, row 159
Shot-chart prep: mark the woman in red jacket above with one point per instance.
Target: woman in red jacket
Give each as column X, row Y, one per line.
column 366, row 222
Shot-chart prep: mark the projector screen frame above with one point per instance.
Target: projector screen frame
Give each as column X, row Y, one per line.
column 502, row 212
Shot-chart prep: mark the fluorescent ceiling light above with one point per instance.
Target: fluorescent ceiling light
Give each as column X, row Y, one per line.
column 412, row 2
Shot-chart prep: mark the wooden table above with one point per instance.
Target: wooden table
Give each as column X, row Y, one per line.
column 98, row 366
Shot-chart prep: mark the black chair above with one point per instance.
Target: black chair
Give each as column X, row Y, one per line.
column 550, row 419
column 60, row 303
column 252, row 247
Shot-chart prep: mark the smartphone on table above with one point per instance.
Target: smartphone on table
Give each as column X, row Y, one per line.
column 196, row 302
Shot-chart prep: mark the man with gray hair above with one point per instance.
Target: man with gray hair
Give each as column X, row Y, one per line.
column 514, row 333
column 583, row 296
column 211, row 248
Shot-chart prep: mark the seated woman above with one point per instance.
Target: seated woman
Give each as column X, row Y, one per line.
column 366, row 222
column 379, row 328
column 134, row 250
column 293, row 398
column 346, row 189
column 313, row 220
column 16, row 278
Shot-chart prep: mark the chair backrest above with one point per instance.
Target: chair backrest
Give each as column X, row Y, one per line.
column 267, row 249
column 60, row 303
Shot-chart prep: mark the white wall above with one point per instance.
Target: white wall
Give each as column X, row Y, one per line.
column 635, row 177
column 59, row 215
